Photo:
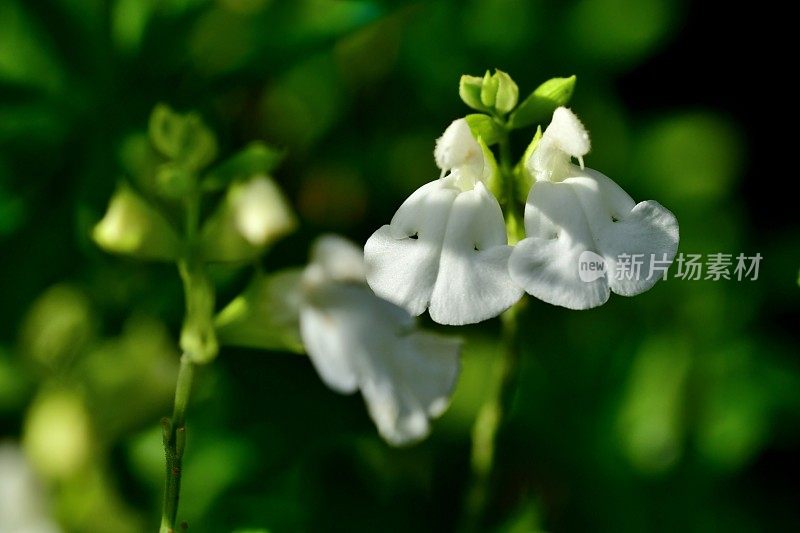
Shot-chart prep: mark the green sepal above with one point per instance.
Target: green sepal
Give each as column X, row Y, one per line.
column 485, row 127
column 489, row 89
column 494, row 181
column 265, row 315
column 221, row 237
column 133, row 227
column 540, row 104
column 469, row 89
column 524, row 179
column 507, row 92
column 140, row 161
column 256, row 158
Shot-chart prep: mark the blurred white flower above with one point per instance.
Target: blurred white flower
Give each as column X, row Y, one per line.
column 446, row 248
column 22, row 501
column 260, row 210
column 253, row 215
column 572, row 210
column 358, row 341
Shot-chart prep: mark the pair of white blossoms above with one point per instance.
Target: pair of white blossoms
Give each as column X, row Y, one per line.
column 446, row 250
column 446, row 247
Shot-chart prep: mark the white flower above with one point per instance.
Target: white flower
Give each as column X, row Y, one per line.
column 571, row 211
column 358, row 341
column 446, row 248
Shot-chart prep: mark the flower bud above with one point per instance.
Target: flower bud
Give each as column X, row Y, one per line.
column 133, row 227
column 253, row 215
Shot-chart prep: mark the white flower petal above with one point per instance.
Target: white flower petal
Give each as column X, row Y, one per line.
column 458, row 148
column 357, row 340
column 546, row 263
column 402, row 258
column 589, row 213
column 567, row 130
column 565, row 137
column 340, row 259
column 412, row 384
column 473, row 282
column 645, row 231
column 328, row 347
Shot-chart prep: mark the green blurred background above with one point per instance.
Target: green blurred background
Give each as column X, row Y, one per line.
column 678, row 410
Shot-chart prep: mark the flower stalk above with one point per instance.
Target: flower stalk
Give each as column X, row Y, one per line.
column 199, row 345
column 174, row 445
column 490, row 419
column 494, row 410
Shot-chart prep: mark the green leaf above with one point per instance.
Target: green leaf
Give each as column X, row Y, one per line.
column 507, row 92
column 265, row 315
column 484, row 127
column 541, row 103
column 469, row 89
column 255, row 159
column 26, row 55
column 182, row 138
column 489, row 89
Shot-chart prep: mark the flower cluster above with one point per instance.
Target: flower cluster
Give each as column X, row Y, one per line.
column 446, row 248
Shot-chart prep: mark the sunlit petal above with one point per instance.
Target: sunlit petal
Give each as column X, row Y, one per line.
column 473, row 282
column 546, row 263
column 402, row 258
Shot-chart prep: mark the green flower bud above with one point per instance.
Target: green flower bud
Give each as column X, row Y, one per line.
column 489, row 89
column 182, row 138
column 469, row 89
column 507, row 92
column 253, row 215
column 133, row 227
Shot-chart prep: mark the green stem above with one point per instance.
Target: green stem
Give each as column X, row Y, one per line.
column 198, row 343
column 174, row 444
column 494, row 410
column 514, row 223
column 490, row 418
